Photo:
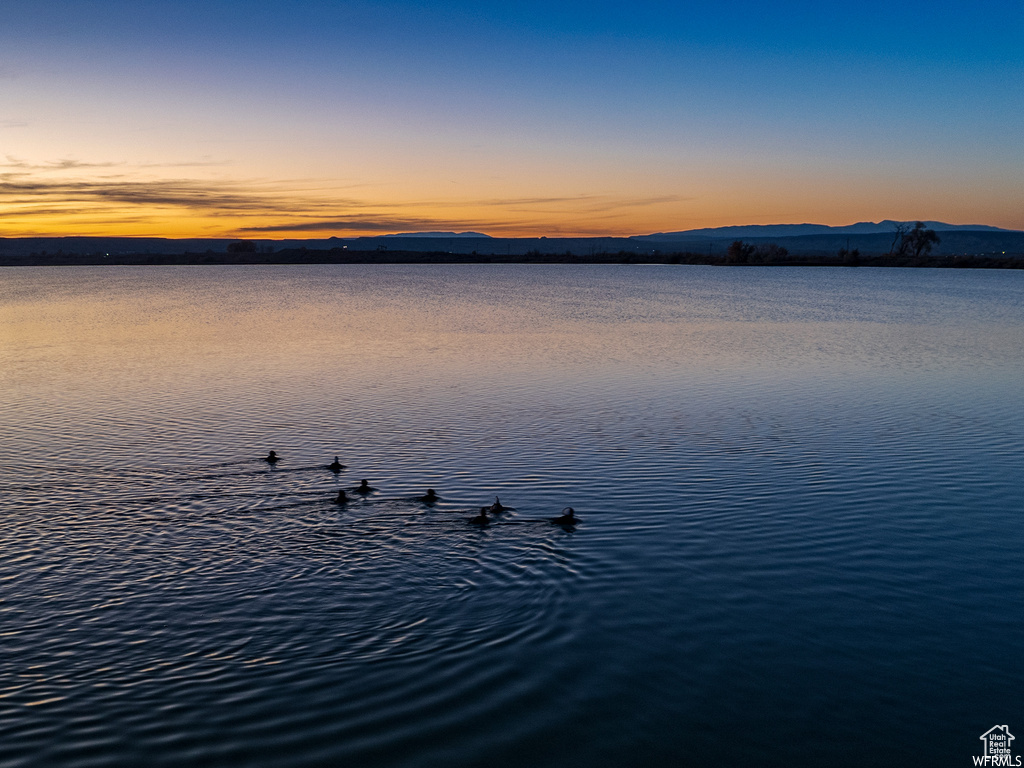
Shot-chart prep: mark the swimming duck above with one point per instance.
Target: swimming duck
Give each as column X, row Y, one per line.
column 480, row 519
column 497, row 506
column 271, row 458
column 364, row 487
column 342, row 497
column 335, row 466
column 430, row 497
column 568, row 517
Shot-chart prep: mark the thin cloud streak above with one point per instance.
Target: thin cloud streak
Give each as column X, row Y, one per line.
column 186, row 164
column 28, row 197
column 410, row 225
column 367, row 223
column 591, row 202
column 178, row 193
column 74, row 165
column 58, row 165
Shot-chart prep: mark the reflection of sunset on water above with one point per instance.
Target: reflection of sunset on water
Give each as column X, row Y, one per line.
column 781, row 477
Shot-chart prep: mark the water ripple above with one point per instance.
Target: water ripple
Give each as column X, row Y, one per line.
column 797, row 494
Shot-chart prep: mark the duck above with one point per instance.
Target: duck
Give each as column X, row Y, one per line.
column 342, row 497
column 497, row 506
column 430, row 497
column 568, row 517
column 364, row 487
column 480, row 519
column 335, row 466
column 271, row 458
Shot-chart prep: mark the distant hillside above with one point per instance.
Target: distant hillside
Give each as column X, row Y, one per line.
column 822, row 242
column 437, row 234
column 798, row 230
column 991, row 242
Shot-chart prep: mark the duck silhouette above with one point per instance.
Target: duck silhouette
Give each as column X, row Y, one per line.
column 335, row 466
column 568, row 517
column 430, row 497
column 271, row 458
column 342, row 497
column 364, row 487
column 497, row 506
column 481, row 519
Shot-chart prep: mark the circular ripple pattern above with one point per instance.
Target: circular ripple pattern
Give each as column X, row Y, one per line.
column 799, row 493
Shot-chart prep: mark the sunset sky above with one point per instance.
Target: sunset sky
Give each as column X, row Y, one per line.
column 269, row 119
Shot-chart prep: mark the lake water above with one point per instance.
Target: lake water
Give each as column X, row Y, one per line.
column 800, row 494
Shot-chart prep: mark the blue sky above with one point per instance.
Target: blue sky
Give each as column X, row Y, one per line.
column 517, row 118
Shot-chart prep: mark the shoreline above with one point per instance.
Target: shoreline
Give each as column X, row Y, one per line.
column 345, row 256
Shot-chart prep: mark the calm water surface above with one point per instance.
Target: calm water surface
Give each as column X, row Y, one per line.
column 800, row 494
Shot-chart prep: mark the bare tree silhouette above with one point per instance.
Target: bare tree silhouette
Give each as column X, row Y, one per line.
column 920, row 240
column 899, row 236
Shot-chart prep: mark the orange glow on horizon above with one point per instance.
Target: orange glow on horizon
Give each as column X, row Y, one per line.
column 123, row 206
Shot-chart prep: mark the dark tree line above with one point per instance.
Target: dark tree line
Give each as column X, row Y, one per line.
column 748, row 253
column 242, row 246
column 914, row 242
column 848, row 256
